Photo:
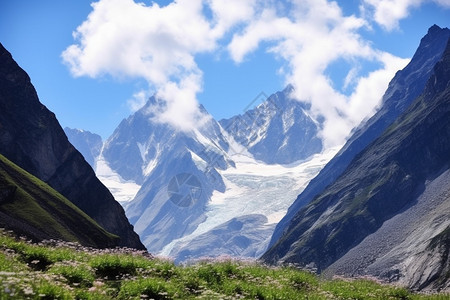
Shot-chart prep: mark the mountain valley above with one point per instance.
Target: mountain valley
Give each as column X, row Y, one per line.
column 261, row 185
column 377, row 206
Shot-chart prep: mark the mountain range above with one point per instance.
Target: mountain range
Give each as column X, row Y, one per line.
column 380, row 206
column 219, row 166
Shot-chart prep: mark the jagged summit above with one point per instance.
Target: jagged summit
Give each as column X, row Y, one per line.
column 277, row 131
column 143, row 157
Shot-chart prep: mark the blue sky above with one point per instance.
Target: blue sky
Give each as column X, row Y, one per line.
column 221, row 54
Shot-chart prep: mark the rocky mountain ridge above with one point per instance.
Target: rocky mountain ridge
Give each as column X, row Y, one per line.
column 31, row 137
column 386, row 214
column 406, row 86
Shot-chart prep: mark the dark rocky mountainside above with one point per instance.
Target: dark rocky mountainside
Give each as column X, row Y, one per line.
column 31, row 137
column 398, row 186
column 30, row 207
column 403, row 89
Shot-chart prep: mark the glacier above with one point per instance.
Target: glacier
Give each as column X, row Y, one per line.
column 123, row 190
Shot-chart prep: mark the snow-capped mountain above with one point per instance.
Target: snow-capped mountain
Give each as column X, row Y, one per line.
column 185, row 191
column 174, row 172
column 89, row 144
column 279, row 131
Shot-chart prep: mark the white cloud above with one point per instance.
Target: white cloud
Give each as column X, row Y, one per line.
column 388, row 13
column 366, row 97
column 228, row 13
column 180, row 108
column 315, row 35
column 127, row 39
column 122, row 38
column 138, row 100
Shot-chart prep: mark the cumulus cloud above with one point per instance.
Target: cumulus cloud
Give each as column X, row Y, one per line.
column 124, row 39
column 180, row 106
column 388, row 13
column 315, row 35
column 138, row 100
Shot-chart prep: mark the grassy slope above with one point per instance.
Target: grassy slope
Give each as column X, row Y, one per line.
column 65, row 271
column 31, row 207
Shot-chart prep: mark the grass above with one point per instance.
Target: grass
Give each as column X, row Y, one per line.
column 57, row 270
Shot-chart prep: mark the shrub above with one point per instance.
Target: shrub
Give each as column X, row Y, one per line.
column 151, row 288
column 77, row 274
column 114, row 266
column 48, row 290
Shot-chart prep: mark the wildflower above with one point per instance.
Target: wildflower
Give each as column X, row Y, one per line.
column 98, row 283
column 28, row 291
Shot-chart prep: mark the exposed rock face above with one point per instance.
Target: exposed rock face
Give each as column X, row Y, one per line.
column 89, row 144
column 31, row 137
column 387, row 214
column 400, row 250
column 403, row 89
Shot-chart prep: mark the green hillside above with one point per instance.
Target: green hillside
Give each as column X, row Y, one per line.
column 30, row 271
column 30, row 207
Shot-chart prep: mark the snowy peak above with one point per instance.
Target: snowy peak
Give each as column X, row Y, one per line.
column 278, row 131
column 140, row 142
column 89, row 144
